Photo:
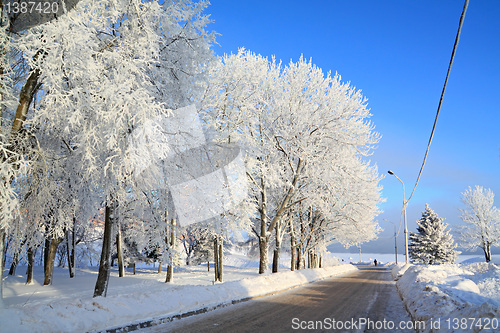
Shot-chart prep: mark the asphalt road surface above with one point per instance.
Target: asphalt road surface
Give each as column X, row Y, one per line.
column 363, row 301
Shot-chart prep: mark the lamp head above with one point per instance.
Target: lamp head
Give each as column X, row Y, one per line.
column 390, row 172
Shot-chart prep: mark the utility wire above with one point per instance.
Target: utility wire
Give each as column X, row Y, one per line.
column 466, row 4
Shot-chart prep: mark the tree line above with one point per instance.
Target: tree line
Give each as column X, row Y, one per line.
column 76, row 89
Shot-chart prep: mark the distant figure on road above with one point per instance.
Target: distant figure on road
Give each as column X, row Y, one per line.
column 375, row 262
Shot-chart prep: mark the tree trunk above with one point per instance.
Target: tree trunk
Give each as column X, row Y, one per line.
column 265, row 229
column 276, row 253
column 300, row 258
column 170, row 267
column 69, row 250
column 13, row 265
column 27, row 93
column 221, row 255
column 31, row 265
column 71, row 253
column 26, row 96
column 263, row 250
column 46, row 250
column 170, row 273
column 49, row 271
column 2, row 257
column 208, row 265
column 101, row 286
column 216, row 259
column 119, row 251
column 73, row 247
column 15, row 259
column 5, row 248
column 276, row 259
column 2, row 71
column 487, row 252
column 293, row 246
column 285, row 203
column 159, row 267
column 263, row 238
column 133, row 265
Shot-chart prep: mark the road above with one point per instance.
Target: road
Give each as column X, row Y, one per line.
column 363, row 301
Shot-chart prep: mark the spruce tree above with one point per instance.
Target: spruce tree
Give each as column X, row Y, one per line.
column 432, row 244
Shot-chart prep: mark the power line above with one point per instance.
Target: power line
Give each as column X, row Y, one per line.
column 466, row 4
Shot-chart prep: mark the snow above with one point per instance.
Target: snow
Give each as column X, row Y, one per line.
column 68, row 306
column 470, row 289
column 450, row 292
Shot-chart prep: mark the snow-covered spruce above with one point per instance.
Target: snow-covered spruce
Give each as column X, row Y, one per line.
column 433, row 244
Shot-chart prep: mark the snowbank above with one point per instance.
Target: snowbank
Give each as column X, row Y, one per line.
column 458, row 297
column 136, row 305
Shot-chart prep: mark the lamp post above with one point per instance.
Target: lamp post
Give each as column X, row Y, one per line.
column 404, row 214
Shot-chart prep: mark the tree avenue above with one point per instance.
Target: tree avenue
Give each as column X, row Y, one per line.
column 305, row 134
column 73, row 91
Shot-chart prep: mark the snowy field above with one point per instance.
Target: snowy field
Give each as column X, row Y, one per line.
column 460, row 298
column 67, row 305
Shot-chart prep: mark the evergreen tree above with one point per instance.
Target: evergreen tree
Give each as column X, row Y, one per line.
column 433, row 244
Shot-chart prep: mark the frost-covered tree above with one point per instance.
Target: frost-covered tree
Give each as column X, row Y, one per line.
column 235, row 111
column 197, row 243
column 13, row 164
column 104, row 69
column 482, row 220
column 433, row 243
column 298, row 126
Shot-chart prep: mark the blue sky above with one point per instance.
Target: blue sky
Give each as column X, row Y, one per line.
column 397, row 52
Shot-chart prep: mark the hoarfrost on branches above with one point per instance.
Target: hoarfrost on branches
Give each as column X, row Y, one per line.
column 482, row 220
column 305, row 134
column 97, row 73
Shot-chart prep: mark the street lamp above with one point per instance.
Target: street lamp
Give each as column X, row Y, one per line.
column 404, row 214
